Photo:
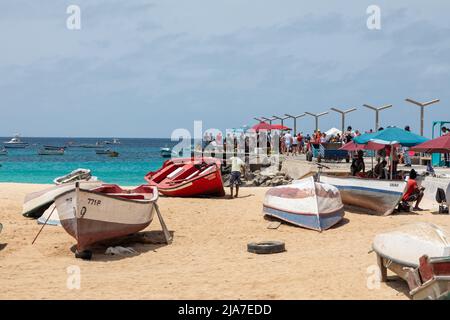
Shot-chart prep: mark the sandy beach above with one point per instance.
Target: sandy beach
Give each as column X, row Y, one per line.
column 207, row 259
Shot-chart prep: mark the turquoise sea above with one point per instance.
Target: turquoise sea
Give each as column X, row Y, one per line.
column 136, row 158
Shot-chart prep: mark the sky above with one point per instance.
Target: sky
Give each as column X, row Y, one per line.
column 144, row 68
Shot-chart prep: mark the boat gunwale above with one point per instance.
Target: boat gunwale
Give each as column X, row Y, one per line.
column 137, row 201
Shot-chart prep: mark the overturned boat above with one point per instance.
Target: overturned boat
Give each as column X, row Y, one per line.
column 188, row 177
column 75, row 175
column 36, row 203
column 419, row 253
column 375, row 196
column 306, row 203
column 106, row 212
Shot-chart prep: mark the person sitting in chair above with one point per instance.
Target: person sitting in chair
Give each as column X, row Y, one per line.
column 379, row 171
column 413, row 192
column 358, row 164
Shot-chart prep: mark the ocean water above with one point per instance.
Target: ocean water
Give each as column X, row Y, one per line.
column 136, row 158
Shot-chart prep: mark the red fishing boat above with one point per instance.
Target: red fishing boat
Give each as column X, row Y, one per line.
column 188, row 177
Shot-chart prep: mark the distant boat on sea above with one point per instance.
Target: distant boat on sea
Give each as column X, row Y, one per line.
column 3, row 152
column 96, row 145
column 54, row 147
column 46, row 152
column 115, row 141
column 103, row 151
column 16, row 143
column 166, row 152
column 107, row 152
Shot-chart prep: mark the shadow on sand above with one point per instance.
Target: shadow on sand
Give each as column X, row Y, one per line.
column 142, row 242
column 398, row 284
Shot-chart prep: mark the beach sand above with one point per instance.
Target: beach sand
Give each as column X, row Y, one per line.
column 208, row 258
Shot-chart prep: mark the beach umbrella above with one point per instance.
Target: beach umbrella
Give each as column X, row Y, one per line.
column 262, row 126
column 333, row 132
column 352, row 146
column 279, row 127
column 391, row 135
column 438, row 145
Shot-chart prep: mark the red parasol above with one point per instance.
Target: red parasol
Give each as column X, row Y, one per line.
column 262, row 126
column 352, row 146
column 438, row 145
column 279, row 127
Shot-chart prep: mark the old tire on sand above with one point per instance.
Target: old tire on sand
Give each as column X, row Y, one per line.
column 266, row 247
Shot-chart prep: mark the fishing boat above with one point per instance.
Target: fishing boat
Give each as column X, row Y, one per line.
column 419, row 253
column 48, row 147
column 36, row 203
column 46, row 152
column 306, row 204
column 16, row 143
column 91, row 146
column 103, row 151
column 188, row 177
column 3, row 152
column 105, row 212
column 166, row 152
column 115, row 141
column 76, row 175
column 375, row 196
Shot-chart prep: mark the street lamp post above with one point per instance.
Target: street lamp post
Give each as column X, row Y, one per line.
column 422, row 105
column 295, row 120
column 343, row 113
column 317, row 115
column 377, row 111
column 282, row 119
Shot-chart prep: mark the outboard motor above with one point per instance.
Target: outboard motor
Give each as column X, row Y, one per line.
column 441, row 199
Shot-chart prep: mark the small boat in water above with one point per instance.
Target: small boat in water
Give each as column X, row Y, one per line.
column 46, row 152
column 115, row 141
column 16, row 143
column 105, row 212
column 166, row 152
column 47, row 147
column 75, row 175
column 103, row 151
column 91, row 146
column 188, row 177
column 3, row 152
column 419, row 253
column 107, row 152
column 306, row 203
column 375, row 196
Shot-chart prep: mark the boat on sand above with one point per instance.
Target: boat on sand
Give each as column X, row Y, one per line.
column 188, row 177
column 306, row 203
column 36, row 203
column 379, row 197
column 419, row 253
column 76, row 175
column 105, row 212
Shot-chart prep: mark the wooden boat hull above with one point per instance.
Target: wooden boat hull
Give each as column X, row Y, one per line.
column 90, row 216
column 206, row 182
column 307, row 204
column 375, row 196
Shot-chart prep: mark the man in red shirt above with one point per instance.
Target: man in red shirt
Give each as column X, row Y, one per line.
column 413, row 192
